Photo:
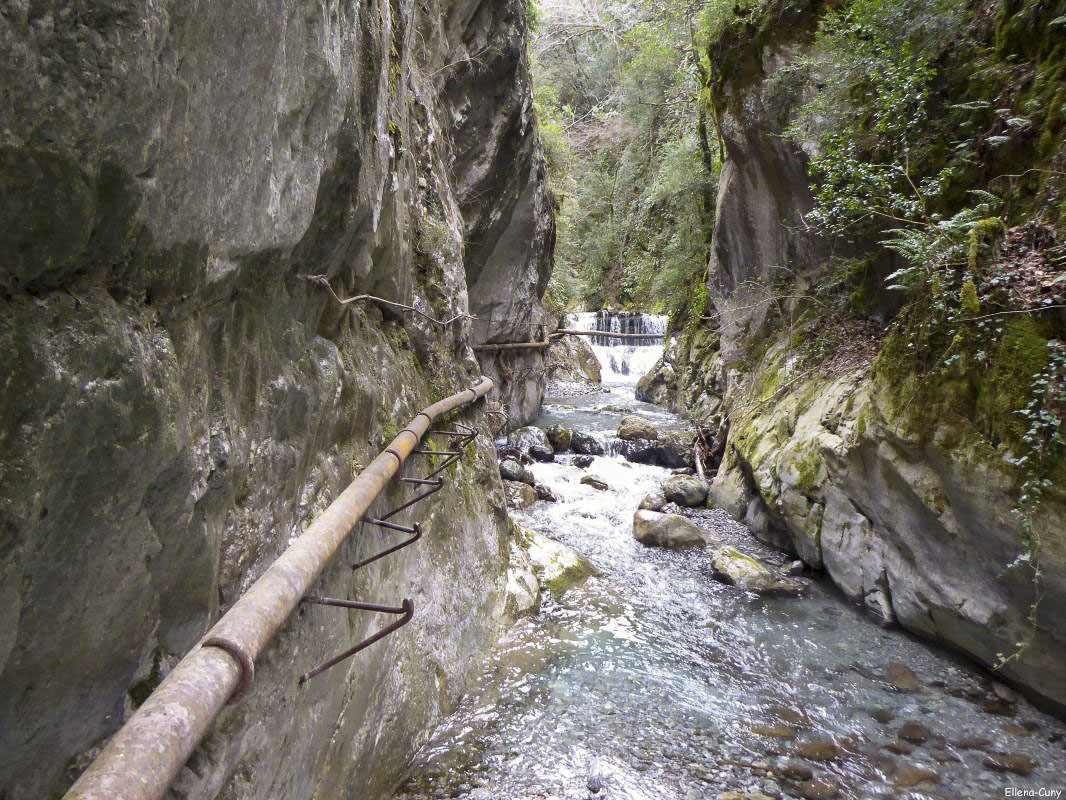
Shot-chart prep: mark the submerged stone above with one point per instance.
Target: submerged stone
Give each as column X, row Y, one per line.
column 594, row 482
column 586, row 444
column 741, row 570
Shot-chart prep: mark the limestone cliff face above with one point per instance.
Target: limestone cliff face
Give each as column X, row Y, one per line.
column 177, row 402
column 907, row 505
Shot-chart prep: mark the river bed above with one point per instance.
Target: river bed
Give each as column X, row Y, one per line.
column 653, row 681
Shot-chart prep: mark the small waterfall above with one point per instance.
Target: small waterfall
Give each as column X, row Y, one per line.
column 622, row 360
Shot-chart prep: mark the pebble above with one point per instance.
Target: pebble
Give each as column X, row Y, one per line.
column 774, row 730
column 944, row 756
column 995, row 705
column 788, row 714
column 913, row 732
column 1017, row 730
column 1005, row 693
column 882, row 714
column 797, row 772
column 912, row 776
column 900, row 748
column 902, row 677
column 1009, row 762
column 818, row 750
column 819, row 788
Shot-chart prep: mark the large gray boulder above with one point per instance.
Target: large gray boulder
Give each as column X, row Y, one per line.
column 674, row 449
column 633, row 427
column 666, row 530
column 685, row 490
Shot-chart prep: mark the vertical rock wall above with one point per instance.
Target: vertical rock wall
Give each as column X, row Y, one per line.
column 177, row 402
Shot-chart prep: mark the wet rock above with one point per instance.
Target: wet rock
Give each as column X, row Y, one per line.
column 586, row 444
column 900, row 747
column 907, row 777
column 652, row 502
column 913, row 732
column 794, row 568
column 522, row 589
column 505, row 451
column 774, row 730
column 795, row 771
column 527, row 437
column 818, row 750
column 633, row 427
column 822, row 788
column 685, row 490
column 544, row 493
column 594, row 784
column 683, row 471
column 615, row 408
column 540, row 453
column 1017, row 730
column 973, row 743
column 789, row 714
column 882, row 714
column 665, row 530
column 639, row 451
column 742, row 796
column 558, row 437
column 674, row 449
column 738, row 569
column 902, row 677
column 511, row 470
column 519, row 495
column 594, row 482
column 558, row 566
column 995, row 705
column 1005, row 693
column 943, row 756
column 581, row 461
column 1009, row 762
column 571, row 359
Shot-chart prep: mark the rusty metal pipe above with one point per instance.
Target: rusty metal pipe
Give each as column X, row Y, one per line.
column 145, row 755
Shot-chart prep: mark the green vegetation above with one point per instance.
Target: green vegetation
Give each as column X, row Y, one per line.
column 622, row 107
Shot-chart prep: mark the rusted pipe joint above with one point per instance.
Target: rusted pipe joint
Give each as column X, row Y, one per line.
column 244, row 661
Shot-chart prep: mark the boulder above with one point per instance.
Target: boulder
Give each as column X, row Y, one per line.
column 674, row 449
column 527, row 437
column 558, row 437
column 511, row 470
column 540, row 453
column 519, row 495
column 572, row 359
column 581, row 461
column 594, row 482
column 633, row 427
column 586, row 444
column 557, row 566
column 685, row 490
column 544, row 493
column 652, row 502
column 522, row 589
column 665, row 530
column 741, row 570
column 639, row 451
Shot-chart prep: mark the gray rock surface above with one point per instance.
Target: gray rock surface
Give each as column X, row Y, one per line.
column 666, row 530
column 633, row 427
column 524, row 438
column 572, row 359
column 178, row 404
column 652, row 502
column 741, row 570
column 511, row 470
column 685, row 490
column 586, row 444
column 559, row 437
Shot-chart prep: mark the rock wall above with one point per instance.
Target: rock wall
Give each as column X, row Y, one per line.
column 857, row 463
column 178, row 402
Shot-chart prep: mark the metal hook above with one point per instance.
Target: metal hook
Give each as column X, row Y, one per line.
column 407, row 609
column 415, row 529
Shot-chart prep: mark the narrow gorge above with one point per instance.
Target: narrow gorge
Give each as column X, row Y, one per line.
column 533, row 399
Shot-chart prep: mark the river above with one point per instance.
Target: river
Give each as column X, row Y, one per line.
column 653, row 682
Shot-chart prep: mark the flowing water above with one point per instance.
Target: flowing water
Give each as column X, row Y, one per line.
column 654, row 681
